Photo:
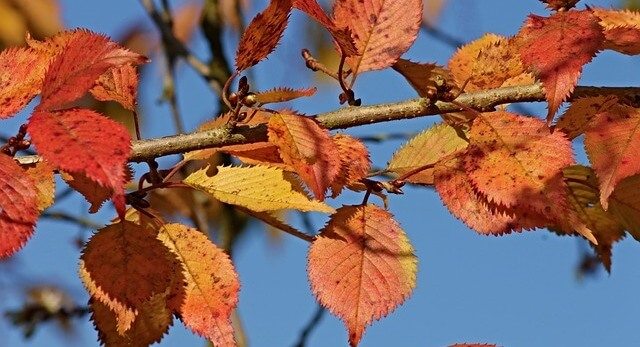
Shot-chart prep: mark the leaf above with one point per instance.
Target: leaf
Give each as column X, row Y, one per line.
column 150, row 325
column 580, row 114
column 625, row 204
column 83, row 141
column 211, row 287
column 75, row 69
column 21, row 74
column 621, row 30
column 263, row 34
column 584, row 197
column 127, row 264
column 18, row 207
column 560, row 4
column 341, row 36
column 258, row 188
column 354, row 162
column 555, row 48
column 473, row 345
column 424, row 151
column 361, row 266
column 119, row 84
column 308, row 148
column 41, row 174
column 612, row 144
column 94, row 193
column 425, row 78
column 486, row 63
column 381, row 30
column 283, row 95
column 516, row 161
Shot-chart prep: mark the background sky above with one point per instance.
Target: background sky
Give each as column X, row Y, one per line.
column 518, row 290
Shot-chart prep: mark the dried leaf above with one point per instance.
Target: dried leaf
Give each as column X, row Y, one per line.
column 76, row 68
column 21, row 74
column 560, row 4
column 18, row 207
column 308, row 148
column 283, row 95
column 83, row 141
column 42, row 175
column 621, row 30
column 555, row 48
column 341, row 36
column 257, row 188
column 119, row 84
column 424, row 151
column 381, row 30
column 354, row 162
column 361, row 266
column 612, row 144
column 578, row 117
column 263, row 34
column 210, row 291
column 425, row 78
column 624, row 203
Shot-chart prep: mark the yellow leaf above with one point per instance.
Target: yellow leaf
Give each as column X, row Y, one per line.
column 258, row 188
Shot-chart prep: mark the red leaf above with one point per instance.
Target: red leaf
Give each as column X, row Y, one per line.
column 341, row 36
column 263, row 34
column 83, row 141
column 18, row 206
column 381, row 30
column 74, row 71
column 555, row 49
column 21, row 75
column 308, row 148
column 361, row 266
column 119, row 84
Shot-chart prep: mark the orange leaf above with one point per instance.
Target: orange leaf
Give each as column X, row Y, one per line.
column 361, row 266
column 75, row 69
column 151, row 323
column 425, row 78
column 621, row 30
column 211, row 286
column 612, row 144
column 488, row 62
column 555, row 48
column 128, row 264
column 263, row 34
column 83, row 141
column 21, row 74
column 382, row 30
column 578, row 117
column 341, row 36
column 18, row 206
column 282, row 95
column 42, row 175
column 119, row 84
column 308, row 148
column 354, row 162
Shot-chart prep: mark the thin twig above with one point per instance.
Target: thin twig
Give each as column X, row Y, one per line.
column 65, row 217
column 310, row 327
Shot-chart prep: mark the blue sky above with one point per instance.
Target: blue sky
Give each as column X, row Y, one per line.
column 518, row 290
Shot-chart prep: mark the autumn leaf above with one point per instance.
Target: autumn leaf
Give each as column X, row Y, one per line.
column 18, row 206
column 308, row 148
column 258, row 188
column 423, row 151
column 151, row 323
column 381, row 30
column 624, row 203
column 263, row 34
column 354, row 162
column 282, row 95
column 555, row 48
column 612, row 144
column 489, row 62
column 211, row 285
column 361, row 266
column 516, row 161
column 128, row 264
column 42, row 175
column 560, row 4
column 584, row 197
column 76, row 68
column 21, row 74
column 119, row 84
column 83, row 141
column 578, row 117
column 621, row 29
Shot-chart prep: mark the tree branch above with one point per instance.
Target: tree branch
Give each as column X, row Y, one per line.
column 349, row 117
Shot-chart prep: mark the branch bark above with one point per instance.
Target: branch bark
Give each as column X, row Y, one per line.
column 349, row 117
